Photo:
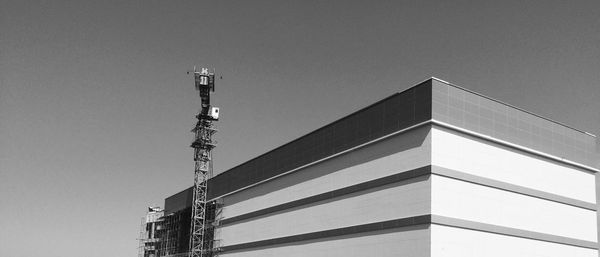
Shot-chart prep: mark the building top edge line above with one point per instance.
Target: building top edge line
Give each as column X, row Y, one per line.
column 512, row 106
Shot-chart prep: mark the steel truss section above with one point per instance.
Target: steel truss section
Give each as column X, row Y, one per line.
column 200, row 246
column 202, row 230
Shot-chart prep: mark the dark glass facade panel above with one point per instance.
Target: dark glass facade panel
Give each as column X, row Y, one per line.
column 174, row 233
column 461, row 108
column 394, row 113
column 179, row 201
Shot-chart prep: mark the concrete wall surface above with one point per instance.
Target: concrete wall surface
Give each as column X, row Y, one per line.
column 456, row 242
column 468, row 201
column 403, row 199
column 371, row 203
column 514, row 202
column 413, row 242
column 402, row 152
column 479, row 197
column 457, row 151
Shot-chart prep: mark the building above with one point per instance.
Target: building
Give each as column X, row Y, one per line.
column 435, row 170
column 149, row 236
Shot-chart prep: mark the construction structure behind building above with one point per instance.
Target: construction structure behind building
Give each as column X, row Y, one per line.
column 186, row 226
column 150, row 241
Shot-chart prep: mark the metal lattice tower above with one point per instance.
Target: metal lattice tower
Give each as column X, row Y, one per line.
column 201, row 232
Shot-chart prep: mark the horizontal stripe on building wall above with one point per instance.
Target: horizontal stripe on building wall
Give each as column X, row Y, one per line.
column 414, row 222
column 510, row 187
column 396, row 133
column 431, row 121
column 508, row 231
column 515, row 146
column 399, row 177
column 377, row 226
column 422, row 171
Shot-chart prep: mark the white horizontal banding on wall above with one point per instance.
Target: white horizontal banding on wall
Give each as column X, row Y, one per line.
column 391, row 243
column 402, row 199
column 422, row 171
column 406, row 224
column 395, row 155
column 477, row 156
column 492, row 139
column 511, row 187
column 449, row 241
column 515, row 146
column 458, row 199
column 328, row 157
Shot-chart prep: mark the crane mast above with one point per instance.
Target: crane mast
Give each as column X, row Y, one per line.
column 201, row 234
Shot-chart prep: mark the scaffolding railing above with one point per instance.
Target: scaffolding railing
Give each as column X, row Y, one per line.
column 149, row 240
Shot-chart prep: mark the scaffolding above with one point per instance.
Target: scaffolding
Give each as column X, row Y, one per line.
column 202, row 232
column 174, row 229
column 141, row 248
column 150, row 240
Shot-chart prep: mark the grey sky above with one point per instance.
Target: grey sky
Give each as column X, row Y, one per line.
column 96, row 108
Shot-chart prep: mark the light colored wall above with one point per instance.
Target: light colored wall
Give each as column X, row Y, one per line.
column 452, row 198
column 598, row 198
column 397, row 200
column 456, row 242
column 393, row 155
column 458, row 199
column 479, row 157
column 390, row 243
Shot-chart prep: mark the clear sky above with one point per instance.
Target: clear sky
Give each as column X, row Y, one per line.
column 96, row 107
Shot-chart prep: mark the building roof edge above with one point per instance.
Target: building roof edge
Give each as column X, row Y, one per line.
column 513, row 106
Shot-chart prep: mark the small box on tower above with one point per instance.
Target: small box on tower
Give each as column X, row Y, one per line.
column 214, row 113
